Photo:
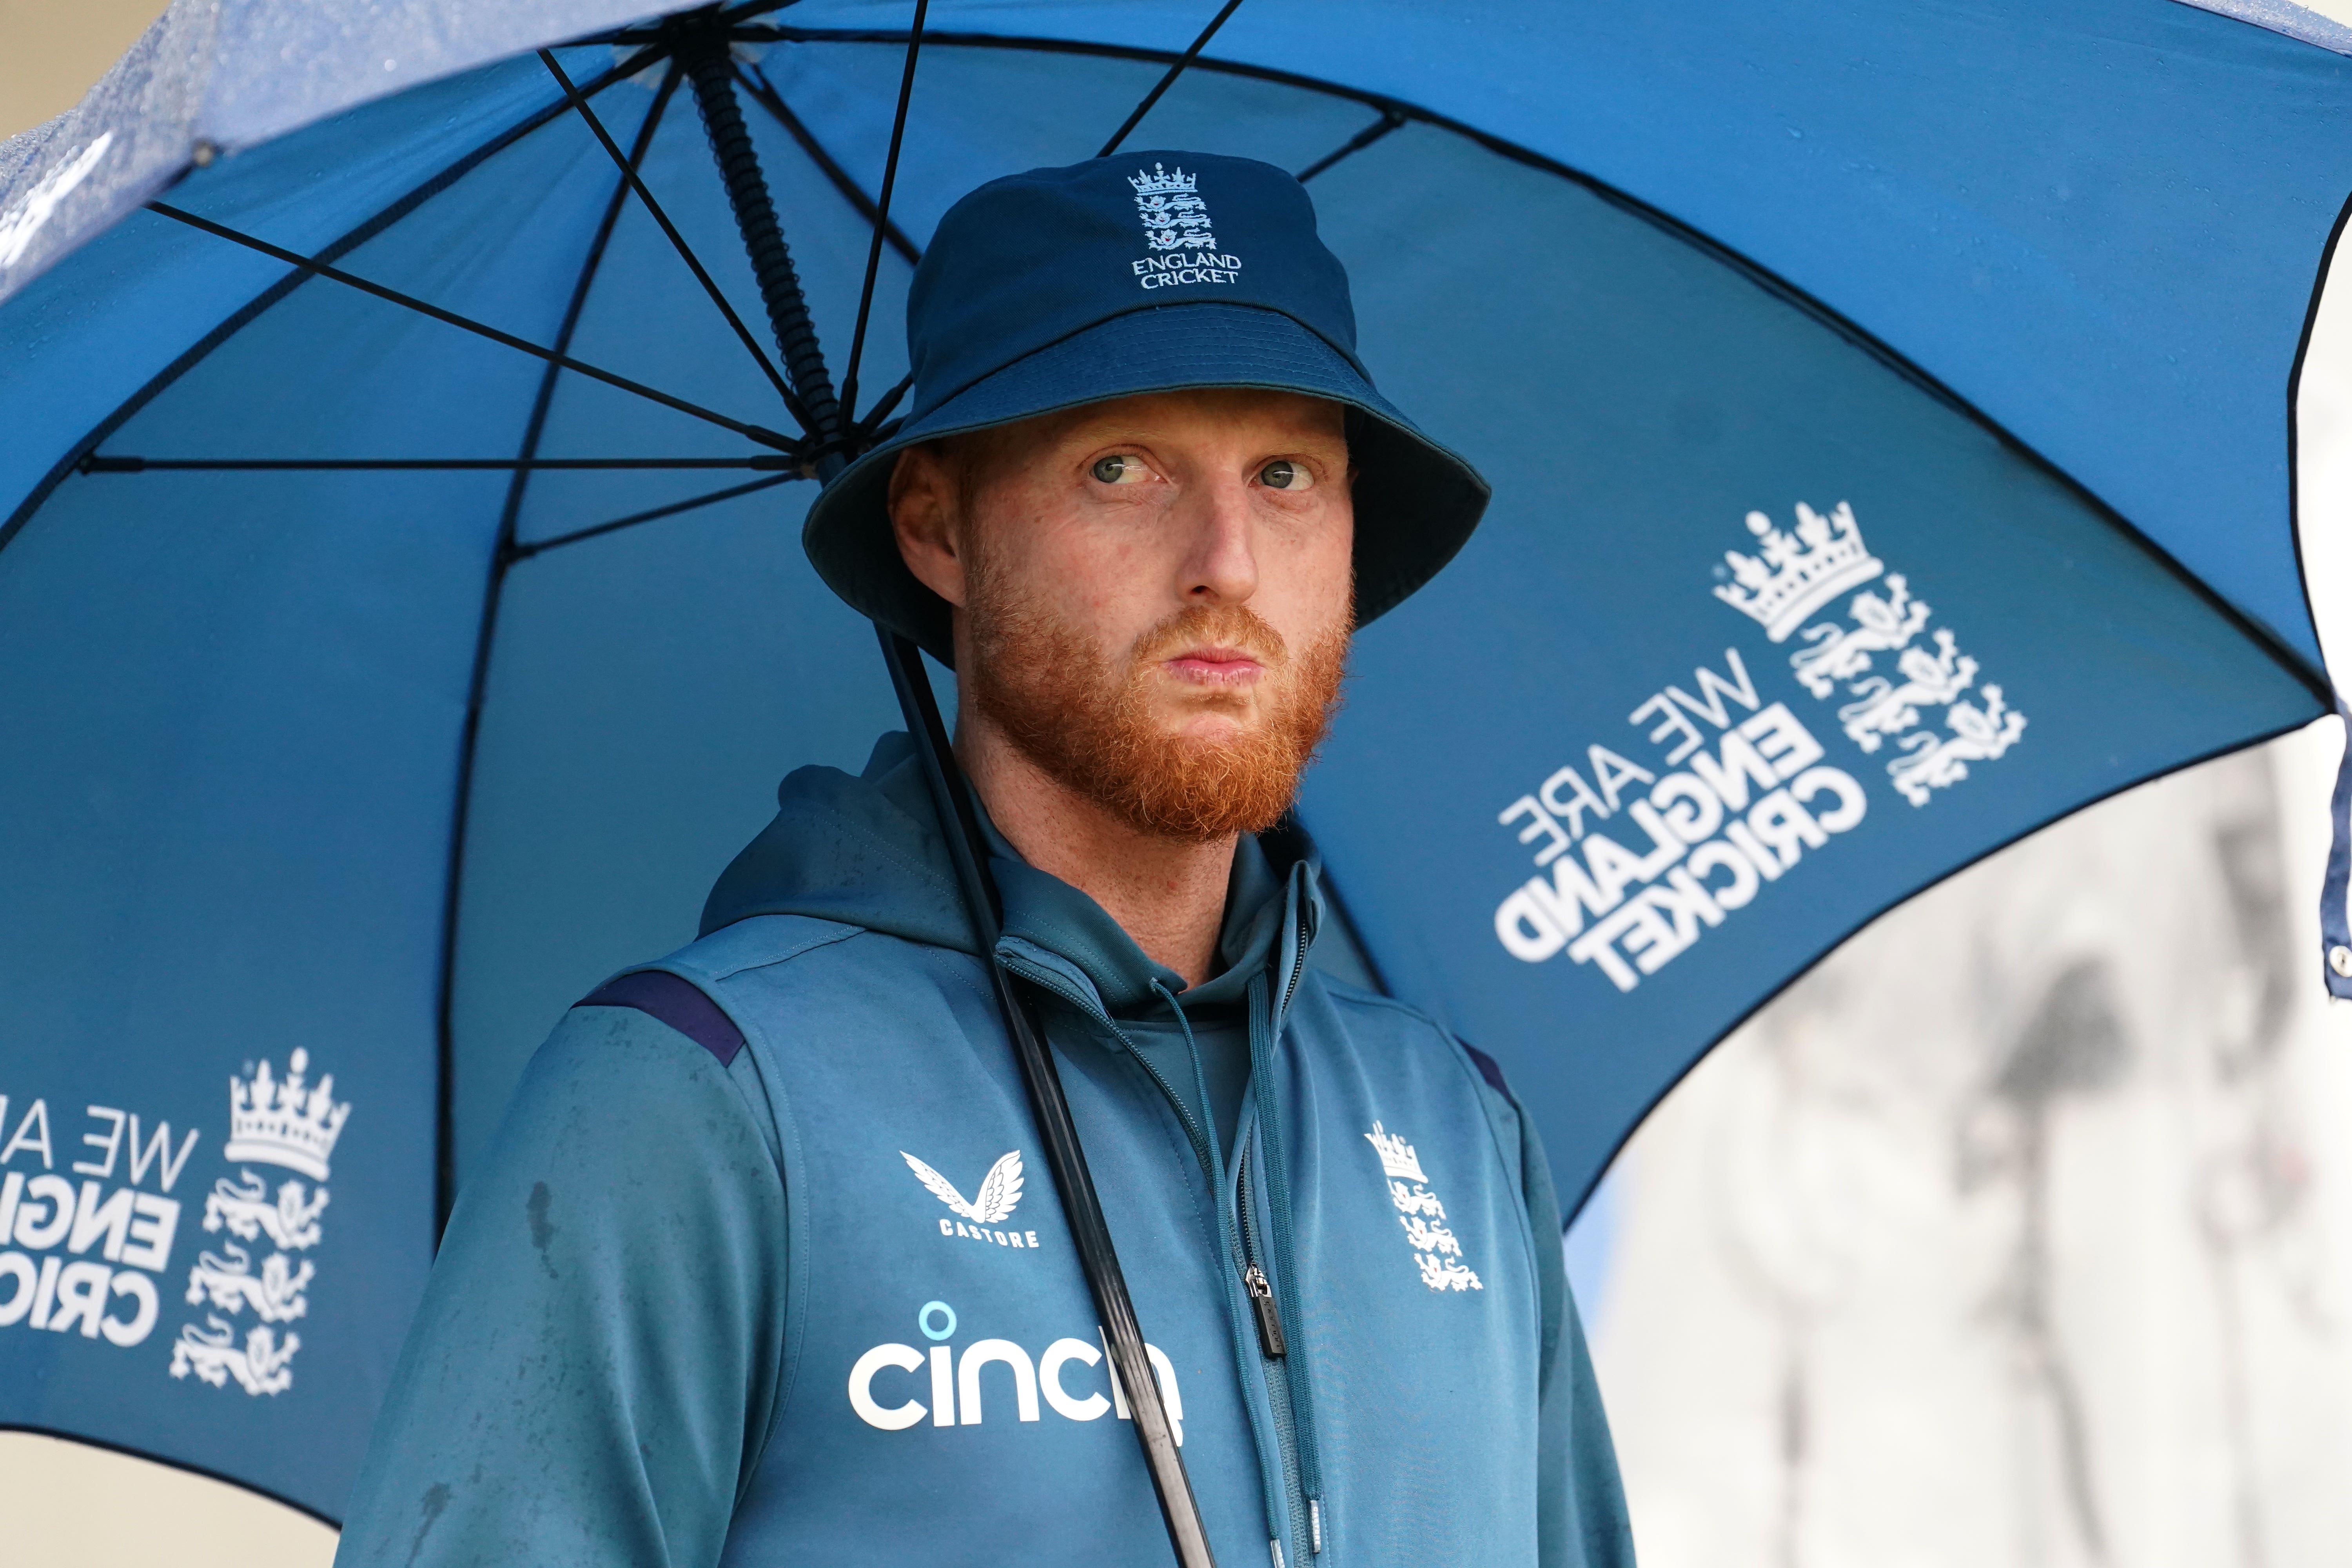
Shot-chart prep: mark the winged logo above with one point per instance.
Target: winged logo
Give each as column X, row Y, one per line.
column 999, row 1190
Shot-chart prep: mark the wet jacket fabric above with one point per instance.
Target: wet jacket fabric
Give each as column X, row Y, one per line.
column 766, row 1267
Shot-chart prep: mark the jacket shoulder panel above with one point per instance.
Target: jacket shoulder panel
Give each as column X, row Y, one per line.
column 756, row 942
column 1356, row 997
column 676, row 1001
column 1405, row 1013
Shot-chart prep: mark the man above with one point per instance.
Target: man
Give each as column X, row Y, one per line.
column 765, row 1268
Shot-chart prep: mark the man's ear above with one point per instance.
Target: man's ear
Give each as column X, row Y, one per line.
column 926, row 516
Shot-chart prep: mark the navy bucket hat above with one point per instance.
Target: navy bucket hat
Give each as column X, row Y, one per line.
column 1148, row 272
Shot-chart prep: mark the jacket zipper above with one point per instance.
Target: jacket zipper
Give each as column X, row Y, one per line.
column 1306, row 1513
column 1254, row 1279
column 1239, row 1241
column 1269, row 1316
column 1290, row 989
column 1275, row 1346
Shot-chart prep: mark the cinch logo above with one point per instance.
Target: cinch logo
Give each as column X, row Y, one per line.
column 956, row 1384
column 1000, row 1194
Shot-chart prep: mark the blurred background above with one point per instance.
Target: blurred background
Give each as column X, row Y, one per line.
column 2016, row 1234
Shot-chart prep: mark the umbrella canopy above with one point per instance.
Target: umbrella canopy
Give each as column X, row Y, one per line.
column 1887, row 409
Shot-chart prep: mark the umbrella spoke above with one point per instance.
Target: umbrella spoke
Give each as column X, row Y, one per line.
column 1169, row 80
column 730, row 19
column 867, row 427
column 765, row 436
column 755, row 81
column 342, row 244
column 636, row 182
column 108, row 463
column 1389, row 120
column 525, row 552
column 882, row 215
column 588, row 266
column 461, row 809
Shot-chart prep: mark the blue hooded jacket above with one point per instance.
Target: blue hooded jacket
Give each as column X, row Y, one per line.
column 763, row 1267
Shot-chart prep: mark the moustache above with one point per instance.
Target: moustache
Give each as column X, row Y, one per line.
column 1234, row 627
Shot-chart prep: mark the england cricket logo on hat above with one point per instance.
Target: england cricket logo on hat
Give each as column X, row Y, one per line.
column 1175, row 217
column 1176, row 224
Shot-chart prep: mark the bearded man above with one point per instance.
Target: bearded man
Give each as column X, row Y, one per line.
column 762, row 1268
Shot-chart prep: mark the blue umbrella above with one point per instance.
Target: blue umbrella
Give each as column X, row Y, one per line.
column 401, row 617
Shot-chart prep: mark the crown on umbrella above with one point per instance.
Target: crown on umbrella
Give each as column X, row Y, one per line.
column 1799, row 572
column 274, row 1121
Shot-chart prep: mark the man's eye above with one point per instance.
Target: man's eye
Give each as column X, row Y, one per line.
column 1281, row 474
column 1121, row 469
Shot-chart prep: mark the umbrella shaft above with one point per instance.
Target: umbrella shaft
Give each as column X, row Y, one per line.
column 709, row 68
column 1057, row 1130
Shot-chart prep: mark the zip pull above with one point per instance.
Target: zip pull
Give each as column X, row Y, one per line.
column 1269, row 1316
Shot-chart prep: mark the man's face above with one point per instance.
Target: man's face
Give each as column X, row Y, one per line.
column 1154, row 595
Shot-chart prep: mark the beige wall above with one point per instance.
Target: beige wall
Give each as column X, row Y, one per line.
column 69, row 1505
column 51, row 51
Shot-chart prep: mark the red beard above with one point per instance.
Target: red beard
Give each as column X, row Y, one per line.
column 1089, row 727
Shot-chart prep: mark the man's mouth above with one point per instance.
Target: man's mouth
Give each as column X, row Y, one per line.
column 1217, row 667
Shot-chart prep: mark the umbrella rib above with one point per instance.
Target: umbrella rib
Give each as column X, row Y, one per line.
column 636, row 182
column 756, row 81
column 539, row 547
column 589, row 263
column 882, row 215
column 659, row 28
column 1169, row 80
column 766, row 438
column 108, row 463
column 869, row 426
column 461, row 803
column 349, row 240
column 1389, row 119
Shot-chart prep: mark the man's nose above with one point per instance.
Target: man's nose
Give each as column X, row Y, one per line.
column 1220, row 567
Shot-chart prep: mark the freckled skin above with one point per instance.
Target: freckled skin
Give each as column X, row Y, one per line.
column 1219, row 498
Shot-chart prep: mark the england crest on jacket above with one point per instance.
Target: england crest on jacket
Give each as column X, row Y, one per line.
column 1435, row 1249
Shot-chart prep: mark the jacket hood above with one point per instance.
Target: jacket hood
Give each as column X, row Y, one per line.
column 867, row 851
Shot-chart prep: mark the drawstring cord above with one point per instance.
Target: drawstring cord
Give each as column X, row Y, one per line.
column 1216, row 1163
column 1277, row 1185
column 1200, row 1081
column 1262, row 1038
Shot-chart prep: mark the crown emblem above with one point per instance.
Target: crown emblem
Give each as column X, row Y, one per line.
column 1175, row 217
column 1799, row 572
column 1160, row 182
column 1397, row 1157
column 282, row 1122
